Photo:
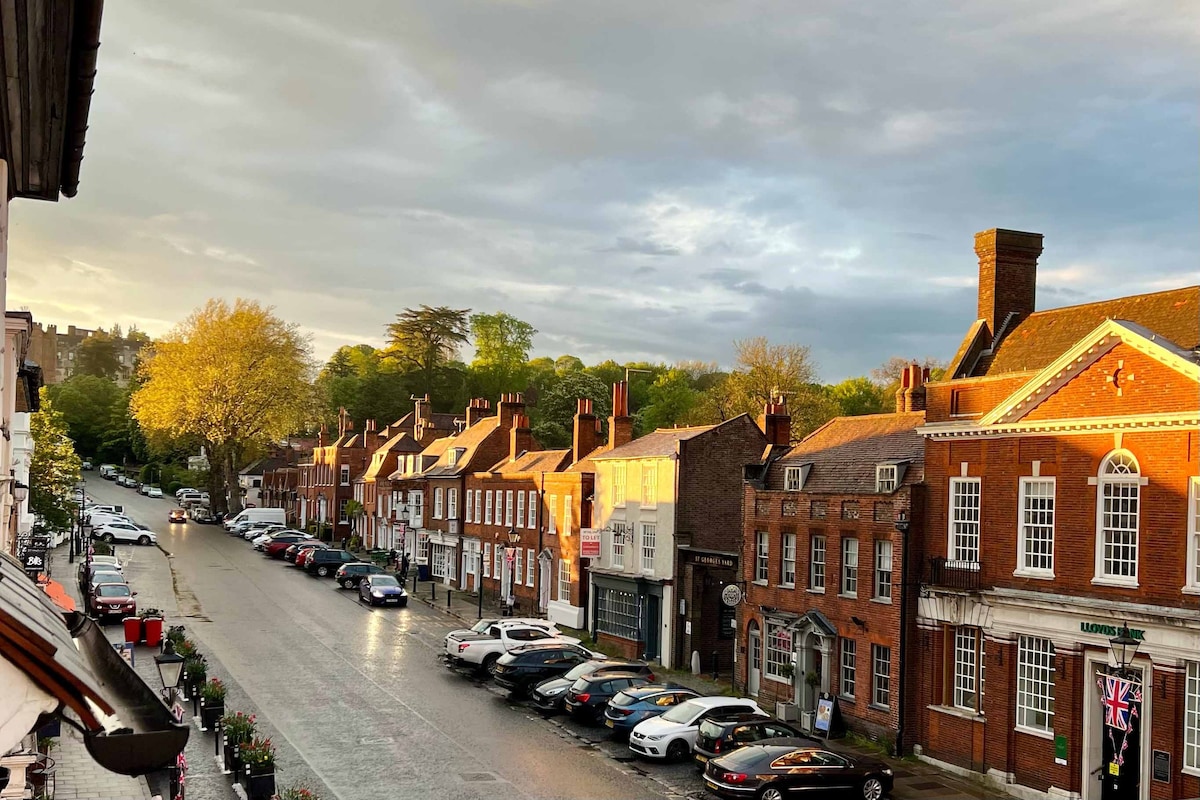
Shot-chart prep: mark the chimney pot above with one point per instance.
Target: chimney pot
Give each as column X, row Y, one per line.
column 620, row 425
column 911, row 394
column 586, row 434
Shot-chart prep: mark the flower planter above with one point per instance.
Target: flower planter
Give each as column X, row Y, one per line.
column 233, row 762
column 152, row 630
column 210, row 715
column 260, row 787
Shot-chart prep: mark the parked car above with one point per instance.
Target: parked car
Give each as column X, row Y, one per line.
column 86, row 465
column 254, row 531
column 109, row 561
column 548, row 695
column 351, row 575
column 323, row 563
column 184, row 490
column 143, row 488
column 672, row 735
column 155, row 493
column 382, row 590
column 777, row 768
column 721, row 735
column 202, row 515
column 263, row 539
column 98, row 518
column 298, row 553
column 303, row 554
column 177, row 515
column 114, row 599
column 276, row 515
column 124, row 532
column 522, row 668
column 104, row 574
column 479, row 651
column 636, row 704
column 276, row 546
column 588, row 697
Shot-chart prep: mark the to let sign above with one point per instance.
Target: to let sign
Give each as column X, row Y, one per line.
column 589, row 543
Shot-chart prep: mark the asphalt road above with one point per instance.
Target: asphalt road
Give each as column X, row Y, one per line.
column 359, row 695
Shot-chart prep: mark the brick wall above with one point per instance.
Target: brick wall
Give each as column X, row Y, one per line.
column 1146, row 386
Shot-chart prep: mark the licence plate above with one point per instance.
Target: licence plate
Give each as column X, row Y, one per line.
column 702, row 759
column 608, row 723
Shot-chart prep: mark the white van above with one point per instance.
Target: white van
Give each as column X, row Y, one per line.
column 275, row 515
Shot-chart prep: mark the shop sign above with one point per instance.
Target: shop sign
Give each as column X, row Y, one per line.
column 1060, row 749
column 1161, row 764
column 1110, row 630
column 589, row 543
column 710, row 560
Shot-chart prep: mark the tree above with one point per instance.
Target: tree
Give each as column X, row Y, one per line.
column 856, row 396
column 763, row 370
column 87, row 403
column 887, row 375
column 98, row 356
column 565, row 365
column 231, row 376
column 553, row 419
column 54, row 467
column 671, row 400
column 426, row 340
column 502, row 345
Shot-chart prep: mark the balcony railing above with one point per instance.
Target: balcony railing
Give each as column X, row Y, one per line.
column 962, row 575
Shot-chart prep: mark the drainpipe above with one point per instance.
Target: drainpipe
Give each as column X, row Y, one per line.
column 901, row 525
column 537, row 580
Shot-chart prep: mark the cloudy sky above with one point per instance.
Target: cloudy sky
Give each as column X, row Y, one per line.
column 637, row 180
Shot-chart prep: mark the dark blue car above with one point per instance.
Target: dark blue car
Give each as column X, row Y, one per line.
column 637, row 703
column 382, row 590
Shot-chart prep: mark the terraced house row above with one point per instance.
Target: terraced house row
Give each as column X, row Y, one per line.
column 1002, row 575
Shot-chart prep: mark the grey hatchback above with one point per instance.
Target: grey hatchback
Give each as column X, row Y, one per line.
column 350, row 575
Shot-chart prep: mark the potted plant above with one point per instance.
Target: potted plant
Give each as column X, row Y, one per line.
column 239, row 729
column 195, row 667
column 212, row 703
column 298, row 792
column 152, row 626
column 258, row 757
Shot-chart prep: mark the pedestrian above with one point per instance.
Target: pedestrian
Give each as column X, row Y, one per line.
column 394, row 558
column 404, row 567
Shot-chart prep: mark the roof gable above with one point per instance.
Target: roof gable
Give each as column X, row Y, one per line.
column 1107, row 343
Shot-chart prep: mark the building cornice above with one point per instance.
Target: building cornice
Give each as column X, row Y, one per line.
column 1062, row 427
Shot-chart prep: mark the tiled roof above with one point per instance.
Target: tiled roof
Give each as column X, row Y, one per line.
column 264, row 465
column 845, row 451
column 535, row 461
column 588, row 462
column 469, row 441
column 1045, row 335
column 661, row 442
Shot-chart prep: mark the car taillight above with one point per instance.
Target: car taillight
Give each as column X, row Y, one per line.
column 734, row 777
column 583, row 698
column 650, row 677
column 620, row 711
column 463, row 646
column 717, row 746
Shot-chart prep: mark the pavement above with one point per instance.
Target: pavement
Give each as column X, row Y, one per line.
column 79, row 777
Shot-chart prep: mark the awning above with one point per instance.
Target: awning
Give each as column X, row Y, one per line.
column 128, row 729
column 57, row 593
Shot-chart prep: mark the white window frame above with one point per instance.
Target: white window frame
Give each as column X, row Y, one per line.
column 847, row 668
column 518, row 565
column 487, row 510
column 553, row 523
column 1114, row 474
column 508, row 508
column 793, row 479
column 818, row 548
column 886, row 476
column 1035, row 517
column 619, row 475
column 878, row 585
column 1192, row 582
column 966, row 507
column 478, row 505
column 1191, row 718
column 618, row 545
column 437, row 502
column 345, row 474
column 530, row 565
column 498, row 562
column 762, row 557
column 520, row 515
column 778, row 647
column 568, row 514
column 533, row 510
column 968, row 675
column 849, row 583
column 1035, row 685
column 469, row 515
column 487, row 559
column 649, row 542
column 881, row 676
column 564, row 580
column 787, row 565
column 649, row 484
column 452, row 503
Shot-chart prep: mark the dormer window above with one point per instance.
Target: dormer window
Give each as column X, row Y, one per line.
column 794, row 477
column 455, row 454
column 885, row 478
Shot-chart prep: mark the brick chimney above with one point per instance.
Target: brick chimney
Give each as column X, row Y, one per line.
column 911, row 394
column 510, row 406
column 520, row 438
column 1007, row 277
column 776, row 423
column 372, row 426
column 476, row 410
column 620, row 424
column 322, row 435
column 586, row 436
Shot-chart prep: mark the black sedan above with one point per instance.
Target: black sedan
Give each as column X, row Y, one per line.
column 522, row 668
column 777, row 768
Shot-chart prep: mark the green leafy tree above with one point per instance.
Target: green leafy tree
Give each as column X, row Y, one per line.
column 671, row 400
column 502, row 345
column 87, row 403
column 54, row 467
column 856, row 396
column 98, row 356
column 565, row 365
column 426, row 340
column 553, row 419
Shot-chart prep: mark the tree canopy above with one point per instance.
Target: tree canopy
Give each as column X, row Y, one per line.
column 54, row 467
column 427, row 339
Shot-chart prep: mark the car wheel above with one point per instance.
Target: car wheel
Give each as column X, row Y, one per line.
column 404, row 603
column 770, row 793
column 347, row 583
column 489, row 664
column 872, row 788
column 143, row 540
column 322, row 572
column 678, row 750
column 108, row 538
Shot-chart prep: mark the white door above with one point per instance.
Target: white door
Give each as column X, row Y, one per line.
column 755, row 675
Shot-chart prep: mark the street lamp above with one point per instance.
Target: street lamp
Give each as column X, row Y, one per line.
column 1124, row 648
column 170, row 666
column 19, row 492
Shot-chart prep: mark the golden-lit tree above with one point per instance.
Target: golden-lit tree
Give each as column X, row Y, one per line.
column 233, row 376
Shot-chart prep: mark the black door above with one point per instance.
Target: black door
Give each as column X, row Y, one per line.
column 653, row 623
column 1121, row 763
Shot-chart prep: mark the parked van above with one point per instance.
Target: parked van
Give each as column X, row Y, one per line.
column 108, row 471
column 275, row 515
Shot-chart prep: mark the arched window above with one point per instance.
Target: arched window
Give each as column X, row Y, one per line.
column 1118, row 499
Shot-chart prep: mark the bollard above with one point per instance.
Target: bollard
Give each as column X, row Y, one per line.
column 714, row 665
column 447, row 598
column 433, row 590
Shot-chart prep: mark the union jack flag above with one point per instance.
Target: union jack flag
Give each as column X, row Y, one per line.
column 1120, row 697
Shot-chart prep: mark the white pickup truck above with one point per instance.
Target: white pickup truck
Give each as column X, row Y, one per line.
column 480, row 646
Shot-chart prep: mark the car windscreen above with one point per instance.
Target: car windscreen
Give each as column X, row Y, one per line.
column 383, row 580
column 482, row 625
column 113, row 590
column 107, row 576
column 682, row 713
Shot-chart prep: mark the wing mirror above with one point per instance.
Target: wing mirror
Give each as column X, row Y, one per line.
column 135, row 594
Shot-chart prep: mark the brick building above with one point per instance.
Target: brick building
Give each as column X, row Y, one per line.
column 1063, row 501
column 280, row 489
column 824, row 558
column 56, row 353
column 325, row 479
column 668, row 505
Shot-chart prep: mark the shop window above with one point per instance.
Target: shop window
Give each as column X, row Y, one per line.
column 1035, row 684
column 1118, row 503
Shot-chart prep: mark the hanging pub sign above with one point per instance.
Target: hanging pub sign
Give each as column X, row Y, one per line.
column 589, row 543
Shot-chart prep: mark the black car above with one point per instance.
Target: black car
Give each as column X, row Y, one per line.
column 326, row 562
column 588, row 697
column 721, row 735
column 350, row 575
column 548, row 695
column 522, row 668
column 777, row 768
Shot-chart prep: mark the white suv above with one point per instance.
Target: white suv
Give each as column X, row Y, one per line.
column 124, row 532
column 672, row 735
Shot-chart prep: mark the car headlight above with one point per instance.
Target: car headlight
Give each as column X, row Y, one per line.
column 553, row 692
column 376, row 593
column 887, row 771
column 651, row 738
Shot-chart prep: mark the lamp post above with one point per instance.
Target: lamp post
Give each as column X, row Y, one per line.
column 1124, row 648
column 510, row 565
column 170, row 671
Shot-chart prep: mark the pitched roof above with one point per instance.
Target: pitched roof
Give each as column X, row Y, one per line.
column 662, row 442
column 534, row 461
column 265, row 465
column 1043, row 336
column 468, row 441
column 845, row 451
